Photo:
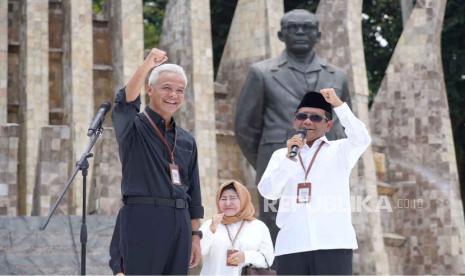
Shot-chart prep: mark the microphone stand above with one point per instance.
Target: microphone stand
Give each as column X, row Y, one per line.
column 83, row 166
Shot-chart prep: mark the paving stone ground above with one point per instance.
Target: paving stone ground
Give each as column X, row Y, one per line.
column 24, row 249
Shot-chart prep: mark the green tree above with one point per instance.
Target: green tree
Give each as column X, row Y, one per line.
column 222, row 13
column 154, row 11
column 381, row 28
column 453, row 60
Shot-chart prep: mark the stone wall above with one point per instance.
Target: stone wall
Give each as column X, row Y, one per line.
column 33, row 93
column 341, row 43
column 56, row 93
column 411, row 126
column 53, row 171
column 78, row 81
column 14, row 19
column 104, row 60
column 127, row 37
column 9, row 144
column 3, row 60
column 105, row 191
column 51, row 68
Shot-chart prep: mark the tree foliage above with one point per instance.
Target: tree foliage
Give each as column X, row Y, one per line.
column 222, row 13
column 381, row 28
column 97, row 6
column 154, row 11
column 453, row 60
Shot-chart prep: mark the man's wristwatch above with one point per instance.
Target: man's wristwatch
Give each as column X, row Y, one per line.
column 198, row 233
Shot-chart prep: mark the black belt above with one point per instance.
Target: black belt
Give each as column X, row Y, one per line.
column 177, row 203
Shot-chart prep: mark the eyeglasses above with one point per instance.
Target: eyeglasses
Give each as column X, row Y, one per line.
column 300, row 116
column 294, row 27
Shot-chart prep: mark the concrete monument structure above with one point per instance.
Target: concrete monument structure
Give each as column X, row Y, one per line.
column 52, row 170
column 9, row 144
column 78, row 83
column 33, row 92
column 341, row 44
column 3, row 61
column 187, row 40
column 251, row 38
column 411, row 128
column 105, row 190
column 59, row 74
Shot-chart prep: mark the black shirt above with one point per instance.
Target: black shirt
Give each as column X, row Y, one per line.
column 145, row 159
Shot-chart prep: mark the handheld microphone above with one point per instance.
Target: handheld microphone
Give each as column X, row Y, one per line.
column 99, row 118
column 295, row 149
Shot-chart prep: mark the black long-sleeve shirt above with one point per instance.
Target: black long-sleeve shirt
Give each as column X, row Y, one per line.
column 145, row 159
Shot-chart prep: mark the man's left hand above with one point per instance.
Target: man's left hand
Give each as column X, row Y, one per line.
column 331, row 97
column 195, row 254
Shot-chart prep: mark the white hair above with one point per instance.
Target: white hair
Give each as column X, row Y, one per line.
column 167, row 67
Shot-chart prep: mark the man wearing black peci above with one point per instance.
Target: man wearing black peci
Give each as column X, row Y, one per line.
column 272, row 90
column 316, row 235
column 157, row 228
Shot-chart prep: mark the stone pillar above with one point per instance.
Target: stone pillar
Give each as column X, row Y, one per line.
column 411, row 126
column 103, row 69
column 3, row 60
column 78, row 82
column 187, row 39
column 52, row 171
column 128, row 38
column 252, row 37
column 14, row 76
column 105, row 192
column 9, row 143
column 33, row 93
column 342, row 45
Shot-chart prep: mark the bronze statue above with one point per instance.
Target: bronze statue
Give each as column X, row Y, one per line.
column 273, row 90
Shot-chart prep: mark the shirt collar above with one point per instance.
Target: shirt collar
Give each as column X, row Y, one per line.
column 317, row 142
column 159, row 121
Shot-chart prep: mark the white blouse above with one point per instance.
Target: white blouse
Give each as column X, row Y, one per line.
column 254, row 240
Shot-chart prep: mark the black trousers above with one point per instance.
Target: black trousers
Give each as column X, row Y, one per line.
column 318, row 262
column 155, row 240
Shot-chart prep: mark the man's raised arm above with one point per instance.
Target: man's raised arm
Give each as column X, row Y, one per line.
column 154, row 58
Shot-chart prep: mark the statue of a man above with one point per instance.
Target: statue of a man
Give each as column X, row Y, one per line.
column 273, row 90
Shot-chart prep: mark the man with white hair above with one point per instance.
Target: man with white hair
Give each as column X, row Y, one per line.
column 157, row 228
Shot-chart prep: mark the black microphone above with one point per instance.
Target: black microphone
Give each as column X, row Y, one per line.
column 295, row 149
column 99, row 118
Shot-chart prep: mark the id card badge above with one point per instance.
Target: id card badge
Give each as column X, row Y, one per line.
column 175, row 177
column 229, row 252
column 304, row 190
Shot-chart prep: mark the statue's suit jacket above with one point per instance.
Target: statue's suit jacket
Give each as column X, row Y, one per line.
column 269, row 98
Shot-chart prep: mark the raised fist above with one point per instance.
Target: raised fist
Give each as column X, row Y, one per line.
column 155, row 58
column 331, row 97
